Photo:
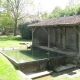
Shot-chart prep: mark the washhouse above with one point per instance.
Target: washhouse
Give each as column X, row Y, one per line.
column 58, row 34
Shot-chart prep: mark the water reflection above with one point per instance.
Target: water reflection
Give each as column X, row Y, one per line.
column 48, row 54
column 31, row 54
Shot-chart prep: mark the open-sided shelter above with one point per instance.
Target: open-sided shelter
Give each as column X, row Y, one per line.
column 58, row 33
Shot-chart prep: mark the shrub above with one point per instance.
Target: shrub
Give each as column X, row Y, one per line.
column 25, row 31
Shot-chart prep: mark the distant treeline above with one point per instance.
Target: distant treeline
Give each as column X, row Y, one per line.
column 58, row 12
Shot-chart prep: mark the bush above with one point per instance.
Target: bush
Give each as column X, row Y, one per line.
column 25, row 31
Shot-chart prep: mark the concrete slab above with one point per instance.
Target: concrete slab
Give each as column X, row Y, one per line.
column 22, row 74
column 61, row 68
column 55, row 49
column 8, row 48
column 74, row 73
column 28, row 44
column 39, row 74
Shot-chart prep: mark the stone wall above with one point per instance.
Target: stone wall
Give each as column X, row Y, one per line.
column 40, row 37
column 71, row 38
column 57, row 61
column 42, row 65
column 33, row 66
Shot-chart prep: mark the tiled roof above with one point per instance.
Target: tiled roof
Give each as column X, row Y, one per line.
column 59, row 21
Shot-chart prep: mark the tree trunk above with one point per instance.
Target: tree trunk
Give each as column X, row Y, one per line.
column 15, row 28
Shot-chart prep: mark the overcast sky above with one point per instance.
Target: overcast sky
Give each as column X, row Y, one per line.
column 46, row 5
column 49, row 5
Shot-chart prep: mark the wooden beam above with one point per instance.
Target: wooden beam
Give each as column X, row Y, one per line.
column 76, row 29
column 61, row 31
column 48, row 37
column 44, row 29
column 33, row 30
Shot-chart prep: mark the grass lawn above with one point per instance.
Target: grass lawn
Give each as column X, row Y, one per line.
column 7, row 71
column 11, row 41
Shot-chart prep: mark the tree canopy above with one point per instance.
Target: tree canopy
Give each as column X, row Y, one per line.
column 16, row 9
column 58, row 12
column 6, row 23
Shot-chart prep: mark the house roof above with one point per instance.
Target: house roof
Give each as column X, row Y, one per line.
column 70, row 20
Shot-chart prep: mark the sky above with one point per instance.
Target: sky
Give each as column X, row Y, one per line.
column 49, row 5
column 46, row 5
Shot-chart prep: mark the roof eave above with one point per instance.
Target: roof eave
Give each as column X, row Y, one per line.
column 53, row 25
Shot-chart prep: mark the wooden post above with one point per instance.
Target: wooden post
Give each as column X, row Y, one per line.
column 32, row 35
column 79, row 41
column 64, row 45
column 78, row 32
column 48, row 37
column 64, row 42
column 55, row 39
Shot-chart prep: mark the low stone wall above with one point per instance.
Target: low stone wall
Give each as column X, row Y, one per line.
column 41, row 65
column 69, row 59
column 57, row 61
column 33, row 66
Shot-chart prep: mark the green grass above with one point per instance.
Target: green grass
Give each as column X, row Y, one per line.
column 7, row 71
column 11, row 41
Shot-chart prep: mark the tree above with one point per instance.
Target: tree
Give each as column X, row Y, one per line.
column 0, row 2
column 44, row 15
column 6, row 23
column 73, row 3
column 70, row 11
column 17, row 10
column 56, row 12
column 77, row 9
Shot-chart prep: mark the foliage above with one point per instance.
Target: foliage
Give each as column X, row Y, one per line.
column 69, row 11
column 16, row 9
column 6, row 23
column 25, row 31
column 58, row 12
column 44, row 15
column 77, row 9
